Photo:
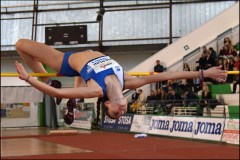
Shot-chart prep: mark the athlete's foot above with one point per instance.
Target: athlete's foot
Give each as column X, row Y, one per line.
column 57, row 84
column 69, row 117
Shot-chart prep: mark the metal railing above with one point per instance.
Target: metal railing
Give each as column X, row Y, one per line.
column 191, row 107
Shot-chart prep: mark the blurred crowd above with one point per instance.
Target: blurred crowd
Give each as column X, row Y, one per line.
column 188, row 89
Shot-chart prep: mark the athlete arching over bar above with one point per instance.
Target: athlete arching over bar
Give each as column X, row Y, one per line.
column 101, row 76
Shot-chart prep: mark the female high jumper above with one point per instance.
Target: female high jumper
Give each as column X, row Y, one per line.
column 100, row 76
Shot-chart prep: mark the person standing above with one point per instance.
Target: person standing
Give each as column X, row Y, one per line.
column 158, row 68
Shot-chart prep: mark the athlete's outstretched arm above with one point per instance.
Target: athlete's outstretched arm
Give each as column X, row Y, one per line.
column 80, row 92
column 135, row 82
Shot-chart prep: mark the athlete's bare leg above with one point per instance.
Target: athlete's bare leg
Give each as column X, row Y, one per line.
column 35, row 53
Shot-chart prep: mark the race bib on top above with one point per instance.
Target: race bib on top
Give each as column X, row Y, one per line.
column 100, row 64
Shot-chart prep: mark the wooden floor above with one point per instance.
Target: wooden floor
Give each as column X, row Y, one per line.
column 33, row 146
column 14, row 143
column 8, row 132
column 32, row 131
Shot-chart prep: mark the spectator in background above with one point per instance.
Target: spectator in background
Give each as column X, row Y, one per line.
column 227, row 50
column 139, row 102
column 186, row 67
column 226, row 40
column 220, row 62
column 167, row 90
column 169, row 86
column 159, row 93
column 165, row 87
column 174, row 99
column 213, row 54
column 236, row 66
column 190, row 98
column 206, row 97
column 223, row 51
column 210, row 62
column 152, row 96
column 231, row 50
column 134, row 98
column 202, row 59
column 158, row 68
column 205, row 50
column 163, row 95
column 225, row 64
column 236, row 77
column 230, row 68
column 231, row 63
column 201, row 62
column 235, row 83
column 185, row 84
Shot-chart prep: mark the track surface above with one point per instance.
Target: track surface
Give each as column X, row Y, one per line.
column 110, row 145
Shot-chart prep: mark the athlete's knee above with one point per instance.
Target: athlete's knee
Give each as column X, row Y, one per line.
column 19, row 44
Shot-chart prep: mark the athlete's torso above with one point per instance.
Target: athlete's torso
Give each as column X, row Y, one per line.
column 78, row 60
column 94, row 67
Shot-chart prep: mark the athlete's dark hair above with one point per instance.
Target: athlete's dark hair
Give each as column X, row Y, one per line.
column 100, row 102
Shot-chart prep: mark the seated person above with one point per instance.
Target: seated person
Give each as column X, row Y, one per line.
column 235, row 83
column 190, row 98
column 174, row 99
column 139, row 102
column 134, row 98
column 152, row 99
column 236, row 77
column 206, row 98
column 153, row 96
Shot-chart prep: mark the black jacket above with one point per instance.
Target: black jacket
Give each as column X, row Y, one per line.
column 158, row 68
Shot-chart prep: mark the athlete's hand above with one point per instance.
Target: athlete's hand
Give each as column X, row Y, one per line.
column 22, row 73
column 216, row 73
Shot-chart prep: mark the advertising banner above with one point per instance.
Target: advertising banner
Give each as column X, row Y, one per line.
column 15, row 110
column 19, row 114
column 123, row 123
column 160, row 125
column 187, row 127
column 208, row 128
column 182, row 126
column 140, row 123
column 231, row 131
column 82, row 119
